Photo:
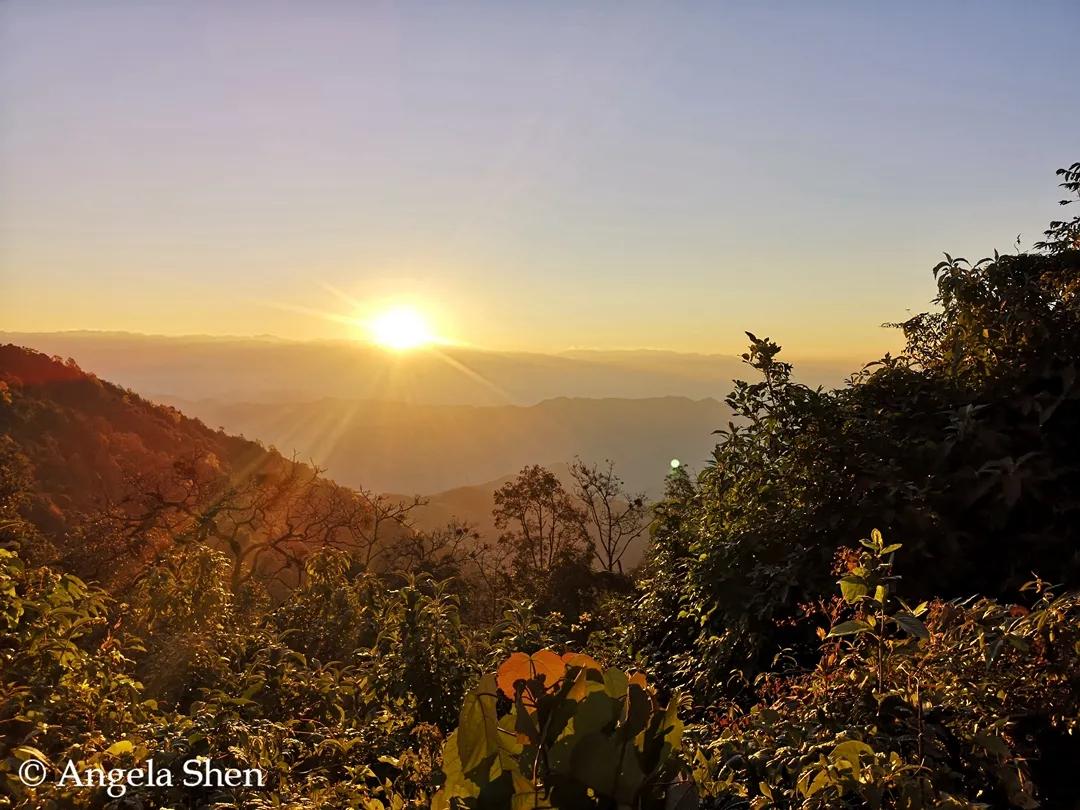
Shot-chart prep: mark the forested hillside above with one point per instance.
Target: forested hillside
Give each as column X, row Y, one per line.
column 86, row 438
column 870, row 597
column 107, row 481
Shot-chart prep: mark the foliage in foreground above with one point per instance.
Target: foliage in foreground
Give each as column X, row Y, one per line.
column 212, row 680
column 944, row 704
column 572, row 735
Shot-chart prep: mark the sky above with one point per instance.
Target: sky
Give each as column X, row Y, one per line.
column 534, row 176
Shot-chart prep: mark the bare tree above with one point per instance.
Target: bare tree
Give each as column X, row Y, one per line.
column 614, row 517
column 493, row 567
column 268, row 518
column 441, row 552
column 542, row 524
column 391, row 519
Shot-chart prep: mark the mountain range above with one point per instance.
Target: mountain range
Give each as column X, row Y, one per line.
column 429, row 421
column 267, row 369
column 402, row 447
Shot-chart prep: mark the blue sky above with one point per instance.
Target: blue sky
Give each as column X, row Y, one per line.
column 536, row 176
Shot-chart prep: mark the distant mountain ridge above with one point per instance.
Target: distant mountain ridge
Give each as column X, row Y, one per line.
column 401, row 447
column 268, row 369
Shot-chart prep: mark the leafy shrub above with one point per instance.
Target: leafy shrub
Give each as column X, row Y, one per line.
column 958, row 712
column 67, row 687
column 570, row 735
column 965, row 445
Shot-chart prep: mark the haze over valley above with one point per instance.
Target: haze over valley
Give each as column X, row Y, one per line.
column 432, row 420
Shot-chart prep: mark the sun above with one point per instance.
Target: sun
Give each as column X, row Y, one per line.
column 400, row 329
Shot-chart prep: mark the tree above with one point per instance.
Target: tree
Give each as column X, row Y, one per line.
column 441, row 553
column 493, row 578
column 615, row 518
column 1062, row 235
column 965, row 445
column 267, row 519
column 541, row 524
column 386, row 515
column 15, row 482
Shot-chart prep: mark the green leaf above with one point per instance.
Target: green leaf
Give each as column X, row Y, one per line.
column 681, row 796
column 595, row 712
column 254, row 689
column 119, row 748
column 851, row 750
column 1020, row 643
column 615, row 682
column 853, row 588
column 821, row 780
column 638, row 711
column 672, row 728
column 457, row 783
column 911, row 625
column 478, row 730
column 441, row 800
column 609, row 766
column 851, row 628
column 24, row 752
column 993, row 744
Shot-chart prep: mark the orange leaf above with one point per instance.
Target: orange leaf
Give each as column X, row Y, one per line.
column 544, row 664
column 518, row 667
column 549, row 665
column 581, row 660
